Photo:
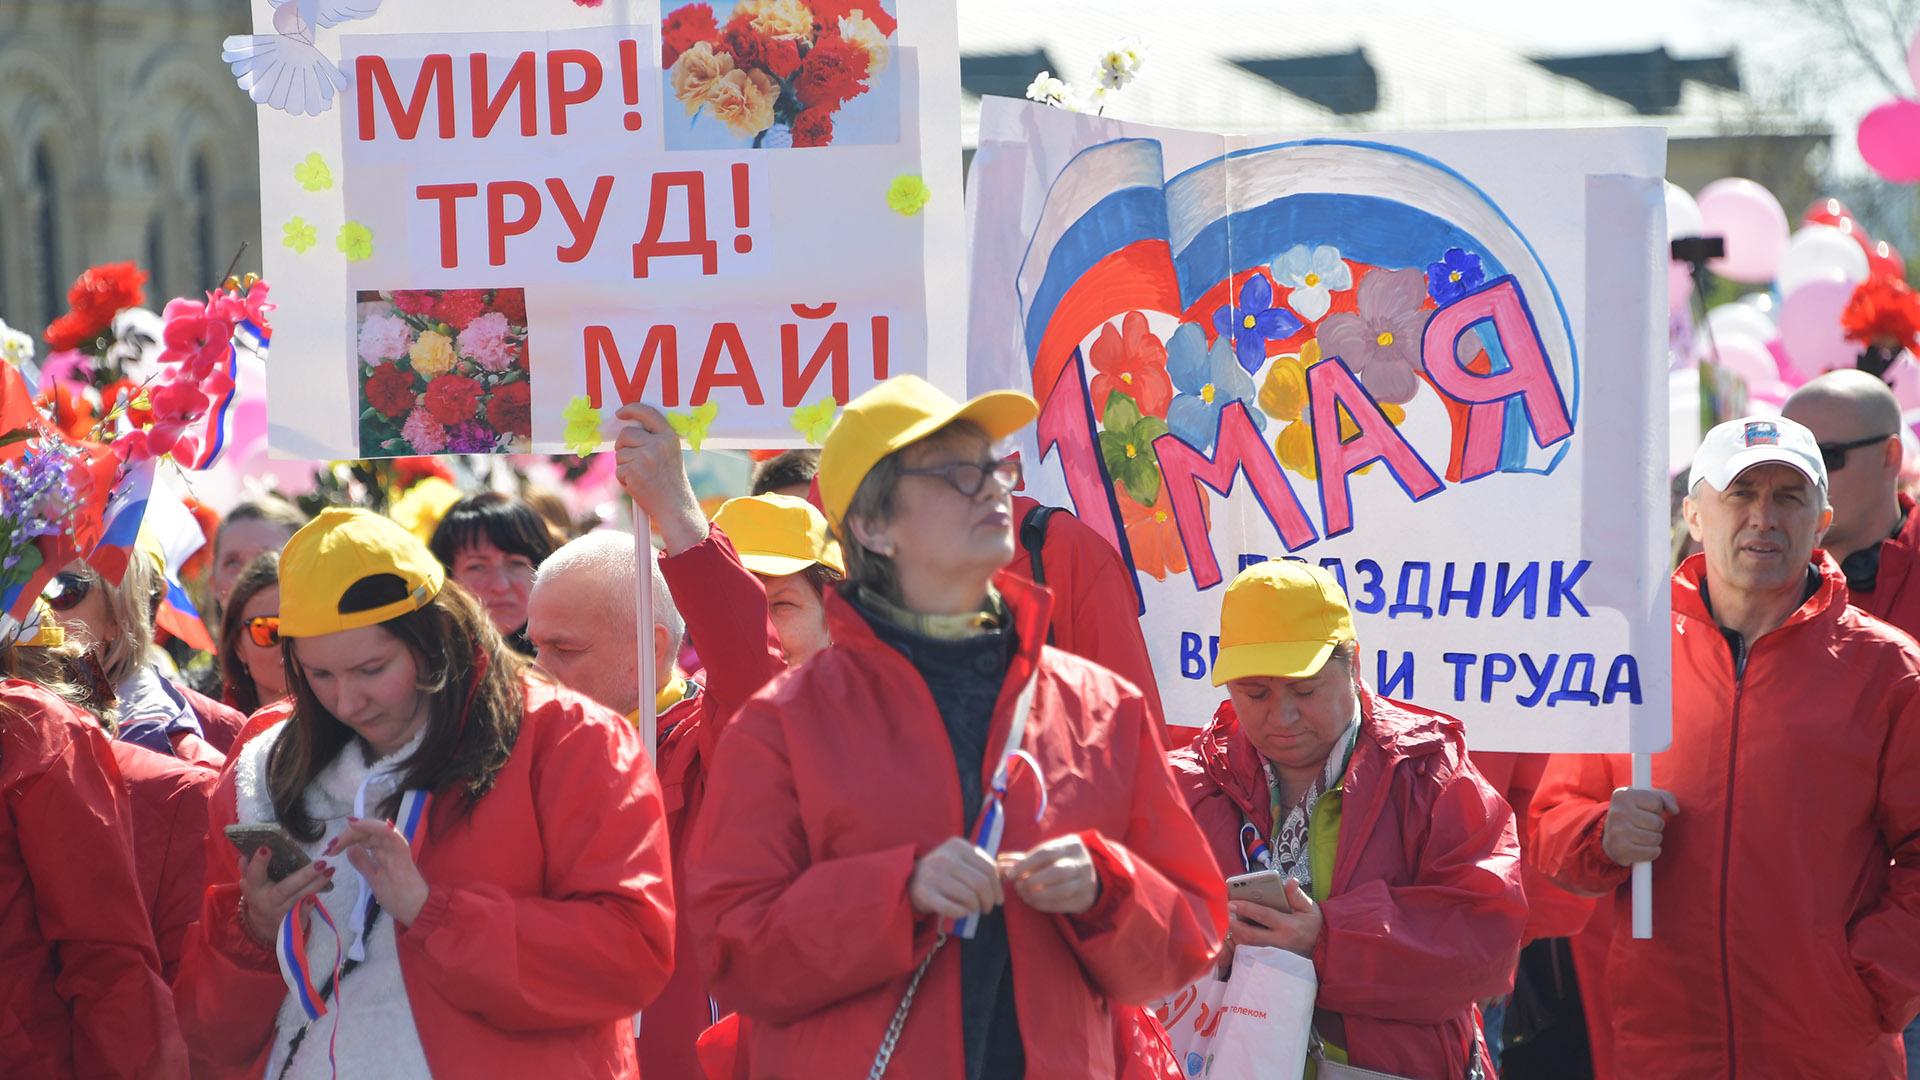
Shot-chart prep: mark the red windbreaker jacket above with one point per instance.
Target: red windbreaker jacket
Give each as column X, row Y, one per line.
column 549, row 921
column 80, row 987
column 1786, row 898
column 1425, row 908
column 169, row 799
column 1896, row 589
column 836, row 778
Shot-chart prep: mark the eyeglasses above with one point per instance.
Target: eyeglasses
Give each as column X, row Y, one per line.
column 968, row 477
column 265, row 630
column 67, row 589
column 1835, row 454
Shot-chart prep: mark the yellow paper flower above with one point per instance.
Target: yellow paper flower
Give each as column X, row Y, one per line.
column 313, row 173
column 420, row 509
column 778, row 18
column 693, row 426
column 298, row 235
column 355, row 241
column 743, row 100
column 583, row 426
column 908, row 194
column 432, row 354
column 1294, row 445
column 815, row 420
column 856, row 28
column 1283, row 393
column 694, row 74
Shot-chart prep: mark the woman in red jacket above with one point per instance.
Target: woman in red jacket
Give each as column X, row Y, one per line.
column 842, row 832
column 1405, row 889
column 80, row 986
column 514, row 919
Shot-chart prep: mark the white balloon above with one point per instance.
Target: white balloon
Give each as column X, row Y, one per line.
column 1683, row 419
column 1738, row 320
column 1683, row 214
column 1821, row 252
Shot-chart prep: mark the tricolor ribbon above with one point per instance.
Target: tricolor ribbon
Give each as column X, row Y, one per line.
column 413, row 811
column 1253, row 849
column 992, row 823
column 290, row 945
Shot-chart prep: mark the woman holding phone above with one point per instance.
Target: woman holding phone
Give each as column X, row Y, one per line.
column 484, row 887
column 849, row 821
column 1398, row 868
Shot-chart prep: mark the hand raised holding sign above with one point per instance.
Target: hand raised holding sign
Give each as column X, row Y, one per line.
column 647, row 460
column 1636, row 822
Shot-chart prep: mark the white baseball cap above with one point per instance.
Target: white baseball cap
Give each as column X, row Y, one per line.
column 1738, row 445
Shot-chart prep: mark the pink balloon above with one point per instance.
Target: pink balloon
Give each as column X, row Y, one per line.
column 1741, row 355
column 1679, row 287
column 1890, row 140
column 1753, row 225
column 1810, row 326
column 1790, row 373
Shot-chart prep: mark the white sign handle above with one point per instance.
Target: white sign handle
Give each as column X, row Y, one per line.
column 643, row 609
column 1642, row 871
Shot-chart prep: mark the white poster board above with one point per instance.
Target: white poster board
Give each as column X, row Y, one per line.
column 491, row 222
column 1430, row 363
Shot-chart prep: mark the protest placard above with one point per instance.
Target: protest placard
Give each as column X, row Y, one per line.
column 490, row 223
column 1426, row 362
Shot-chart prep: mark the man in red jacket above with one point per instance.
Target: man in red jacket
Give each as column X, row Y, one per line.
column 1784, row 825
column 580, row 617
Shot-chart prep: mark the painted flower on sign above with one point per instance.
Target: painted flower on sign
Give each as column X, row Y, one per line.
column 1154, row 536
column 1126, row 446
column 1130, row 361
column 1253, row 321
column 1294, row 445
column 1381, row 341
column 1314, row 275
column 1208, row 379
column 1283, row 393
column 1456, row 274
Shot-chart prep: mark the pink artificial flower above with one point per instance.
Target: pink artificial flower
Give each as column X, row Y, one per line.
column 196, row 337
column 69, row 367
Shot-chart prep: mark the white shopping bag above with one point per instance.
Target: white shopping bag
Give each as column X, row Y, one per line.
column 1192, row 1018
column 1265, row 1018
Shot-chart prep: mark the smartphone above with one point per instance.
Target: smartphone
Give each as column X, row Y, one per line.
column 1267, row 888
column 287, row 855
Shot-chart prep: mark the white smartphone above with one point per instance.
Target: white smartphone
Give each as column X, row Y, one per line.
column 1267, row 888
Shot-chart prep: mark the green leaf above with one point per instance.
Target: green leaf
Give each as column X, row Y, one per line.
column 1121, row 412
column 16, row 435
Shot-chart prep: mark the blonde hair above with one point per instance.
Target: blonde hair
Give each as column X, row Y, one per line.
column 130, row 604
column 55, row 668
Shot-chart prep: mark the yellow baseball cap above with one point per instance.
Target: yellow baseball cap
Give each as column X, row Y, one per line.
column 776, row 535
column 899, row 412
column 337, row 550
column 1280, row 619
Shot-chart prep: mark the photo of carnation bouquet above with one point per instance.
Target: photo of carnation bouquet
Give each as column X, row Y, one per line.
column 776, row 72
column 444, row 372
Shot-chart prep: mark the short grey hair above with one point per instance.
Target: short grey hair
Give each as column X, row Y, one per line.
column 606, row 556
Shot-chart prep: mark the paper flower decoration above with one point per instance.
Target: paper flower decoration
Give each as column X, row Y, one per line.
column 908, row 194
column 298, row 235
column 313, row 173
column 815, row 420
column 582, row 434
column 355, row 241
column 693, row 426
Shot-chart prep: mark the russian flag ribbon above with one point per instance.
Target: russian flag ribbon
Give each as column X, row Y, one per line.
column 290, row 946
column 992, row 823
column 1253, row 849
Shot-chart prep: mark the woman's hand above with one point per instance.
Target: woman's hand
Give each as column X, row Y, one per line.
column 385, row 859
column 955, row 880
column 1296, row 931
column 265, row 902
column 1058, row 877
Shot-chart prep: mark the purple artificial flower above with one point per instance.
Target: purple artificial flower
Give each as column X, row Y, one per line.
column 1254, row 321
column 1456, row 274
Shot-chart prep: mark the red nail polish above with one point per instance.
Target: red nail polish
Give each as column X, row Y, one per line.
column 259, row 853
column 321, row 866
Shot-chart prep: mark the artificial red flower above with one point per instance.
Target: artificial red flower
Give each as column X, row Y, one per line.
column 1883, row 309
column 453, row 398
column 139, row 412
column 782, row 57
column 458, row 307
column 413, row 301
column 72, row 414
column 197, row 336
column 511, row 410
column 513, row 304
column 834, row 71
column 829, row 12
column 390, row 391
column 684, row 28
column 96, row 297
column 408, row 471
column 814, row 127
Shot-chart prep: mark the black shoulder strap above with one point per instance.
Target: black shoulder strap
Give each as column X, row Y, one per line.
column 1033, row 537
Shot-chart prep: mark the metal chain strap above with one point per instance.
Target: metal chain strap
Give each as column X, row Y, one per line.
column 899, row 1021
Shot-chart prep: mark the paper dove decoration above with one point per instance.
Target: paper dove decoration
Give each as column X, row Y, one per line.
column 285, row 69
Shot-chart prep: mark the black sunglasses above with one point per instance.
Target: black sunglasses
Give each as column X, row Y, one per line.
column 1835, row 454
column 67, row 589
column 968, row 477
